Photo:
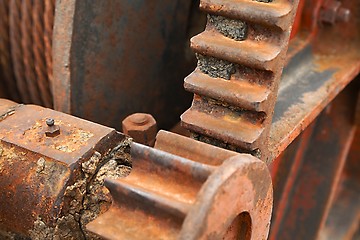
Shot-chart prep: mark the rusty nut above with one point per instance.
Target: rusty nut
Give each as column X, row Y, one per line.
column 141, row 127
column 52, row 130
column 332, row 12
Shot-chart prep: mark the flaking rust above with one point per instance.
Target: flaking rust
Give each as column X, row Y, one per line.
column 241, row 55
column 52, row 186
column 186, row 189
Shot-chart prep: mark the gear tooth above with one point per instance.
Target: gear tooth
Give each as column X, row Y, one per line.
column 176, row 187
column 278, row 13
column 240, row 61
column 245, row 52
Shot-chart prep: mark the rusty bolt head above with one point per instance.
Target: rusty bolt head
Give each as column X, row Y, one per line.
column 52, row 130
column 141, row 127
column 332, row 12
column 343, row 15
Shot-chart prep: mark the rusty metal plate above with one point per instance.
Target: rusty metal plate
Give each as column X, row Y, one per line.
column 114, row 58
column 305, row 180
column 312, row 79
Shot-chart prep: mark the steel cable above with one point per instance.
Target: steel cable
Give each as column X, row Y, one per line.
column 39, row 52
column 16, row 49
column 48, row 32
column 27, row 46
column 5, row 55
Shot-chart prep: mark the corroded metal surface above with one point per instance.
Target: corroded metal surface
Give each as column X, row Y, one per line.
column 305, row 185
column 236, row 81
column 183, row 189
column 121, row 57
column 344, row 216
column 313, row 77
column 39, row 173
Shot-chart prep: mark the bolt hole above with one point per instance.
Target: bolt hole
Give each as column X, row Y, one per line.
column 240, row 228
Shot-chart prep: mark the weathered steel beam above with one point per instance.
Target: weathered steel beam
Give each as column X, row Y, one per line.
column 313, row 77
column 311, row 173
column 344, row 216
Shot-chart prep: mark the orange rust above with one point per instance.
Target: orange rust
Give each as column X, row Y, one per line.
column 187, row 198
column 36, row 169
column 49, row 13
column 240, row 119
column 331, row 52
column 16, row 49
column 8, row 79
column 298, row 19
column 27, row 48
column 38, row 32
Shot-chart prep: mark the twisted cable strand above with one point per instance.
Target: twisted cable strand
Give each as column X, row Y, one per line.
column 16, row 49
column 5, row 55
column 39, row 52
column 48, row 34
column 27, row 46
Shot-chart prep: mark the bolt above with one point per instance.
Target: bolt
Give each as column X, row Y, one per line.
column 52, row 130
column 139, row 119
column 343, row 15
column 141, row 127
column 332, row 12
column 50, row 122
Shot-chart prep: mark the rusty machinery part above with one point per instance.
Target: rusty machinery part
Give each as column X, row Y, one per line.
column 6, row 73
column 25, row 48
column 39, row 34
column 241, row 55
column 141, row 127
column 307, row 178
column 357, row 111
column 185, row 189
column 317, row 71
column 96, row 43
column 16, row 49
column 49, row 13
column 53, row 166
column 52, row 170
column 332, row 12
